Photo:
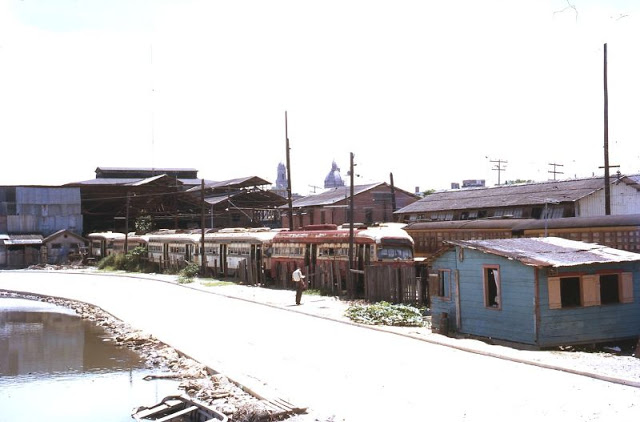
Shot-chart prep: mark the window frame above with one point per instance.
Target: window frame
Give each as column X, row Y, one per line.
column 485, row 287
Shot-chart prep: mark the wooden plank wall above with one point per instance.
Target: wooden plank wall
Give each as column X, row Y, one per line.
column 396, row 285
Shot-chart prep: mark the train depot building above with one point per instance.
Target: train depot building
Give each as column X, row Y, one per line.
column 544, row 200
column 540, row 292
column 173, row 199
column 373, row 203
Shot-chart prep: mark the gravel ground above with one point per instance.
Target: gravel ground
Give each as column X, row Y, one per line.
column 613, row 362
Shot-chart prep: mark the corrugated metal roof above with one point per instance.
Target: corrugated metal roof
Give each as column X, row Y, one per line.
column 147, row 169
column 549, row 251
column 332, row 196
column 23, row 239
column 507, row 195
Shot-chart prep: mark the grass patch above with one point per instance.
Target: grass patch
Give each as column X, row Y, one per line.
column 313, row 292
column 216, row 283
column 385, row 313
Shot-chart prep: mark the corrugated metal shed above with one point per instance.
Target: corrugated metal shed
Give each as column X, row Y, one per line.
column 511, row 195
column 549, row 251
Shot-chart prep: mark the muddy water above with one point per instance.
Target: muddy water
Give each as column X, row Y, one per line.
column 54, row 366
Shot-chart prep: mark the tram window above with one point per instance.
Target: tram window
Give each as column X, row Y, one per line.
column 390, row 252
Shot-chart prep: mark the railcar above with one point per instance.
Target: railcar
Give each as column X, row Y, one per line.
column 229, row 251
column 103, row 244
column 324, row 249
column 429, row 236
column 172, row 249
column 616, row 231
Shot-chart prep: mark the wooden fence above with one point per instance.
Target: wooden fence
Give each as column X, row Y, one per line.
column 396, row 285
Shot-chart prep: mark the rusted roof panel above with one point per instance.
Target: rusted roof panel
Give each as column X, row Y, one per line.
column 549, row 251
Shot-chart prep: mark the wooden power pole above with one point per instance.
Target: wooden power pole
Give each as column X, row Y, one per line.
column 350, row 287
column 286, row 135
column 203, row 255
column 607, row 187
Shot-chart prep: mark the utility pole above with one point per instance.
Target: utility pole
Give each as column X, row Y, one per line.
column 498, row 167
column 607, row 189
column 286, row 135
column 554, row 169
column 203, row 255
column 393, row 196
column 126, row 225
column 350, row 288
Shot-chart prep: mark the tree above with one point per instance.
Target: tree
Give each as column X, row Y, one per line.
column 144, row 224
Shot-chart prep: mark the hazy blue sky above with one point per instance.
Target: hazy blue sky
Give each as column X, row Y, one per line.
column 431, row 91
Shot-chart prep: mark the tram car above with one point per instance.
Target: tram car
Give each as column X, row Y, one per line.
column 103, row 244
column 172, row 249
column 323, row 251
column 233, row 250
column 227, row 252
column 615, row 231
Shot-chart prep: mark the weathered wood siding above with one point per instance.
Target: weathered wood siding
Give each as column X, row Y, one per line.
column 513, row 321
column 589, row 324
column 625, row 199
column 440, row 304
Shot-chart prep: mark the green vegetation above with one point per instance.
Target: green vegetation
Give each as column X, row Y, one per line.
column 216, row 283
column 314, row 292
column 187, row 274
column 144, row 224
column 385, row 313
column 133, row 261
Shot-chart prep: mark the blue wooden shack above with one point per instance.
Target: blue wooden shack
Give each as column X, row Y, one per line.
column 541, row 292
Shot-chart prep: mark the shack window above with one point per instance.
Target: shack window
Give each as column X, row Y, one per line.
column 570, row 292
column 444, row 283
column 492, row 287
column 609, row 289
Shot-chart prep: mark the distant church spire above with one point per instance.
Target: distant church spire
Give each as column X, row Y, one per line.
column 333, row 179
column 281, row 180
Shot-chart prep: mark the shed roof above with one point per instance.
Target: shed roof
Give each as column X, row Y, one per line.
column 23, row 240
column 53, row 236
column 549, row 251
column 513, row 195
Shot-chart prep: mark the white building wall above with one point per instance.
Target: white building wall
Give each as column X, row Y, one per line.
column 625, row 199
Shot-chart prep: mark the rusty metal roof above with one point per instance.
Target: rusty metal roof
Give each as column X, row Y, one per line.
column 549, row 251
column 512, row 195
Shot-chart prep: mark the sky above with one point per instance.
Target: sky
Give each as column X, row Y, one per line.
column 432, row 92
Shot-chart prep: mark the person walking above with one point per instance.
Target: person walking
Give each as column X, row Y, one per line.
column 298, row 279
